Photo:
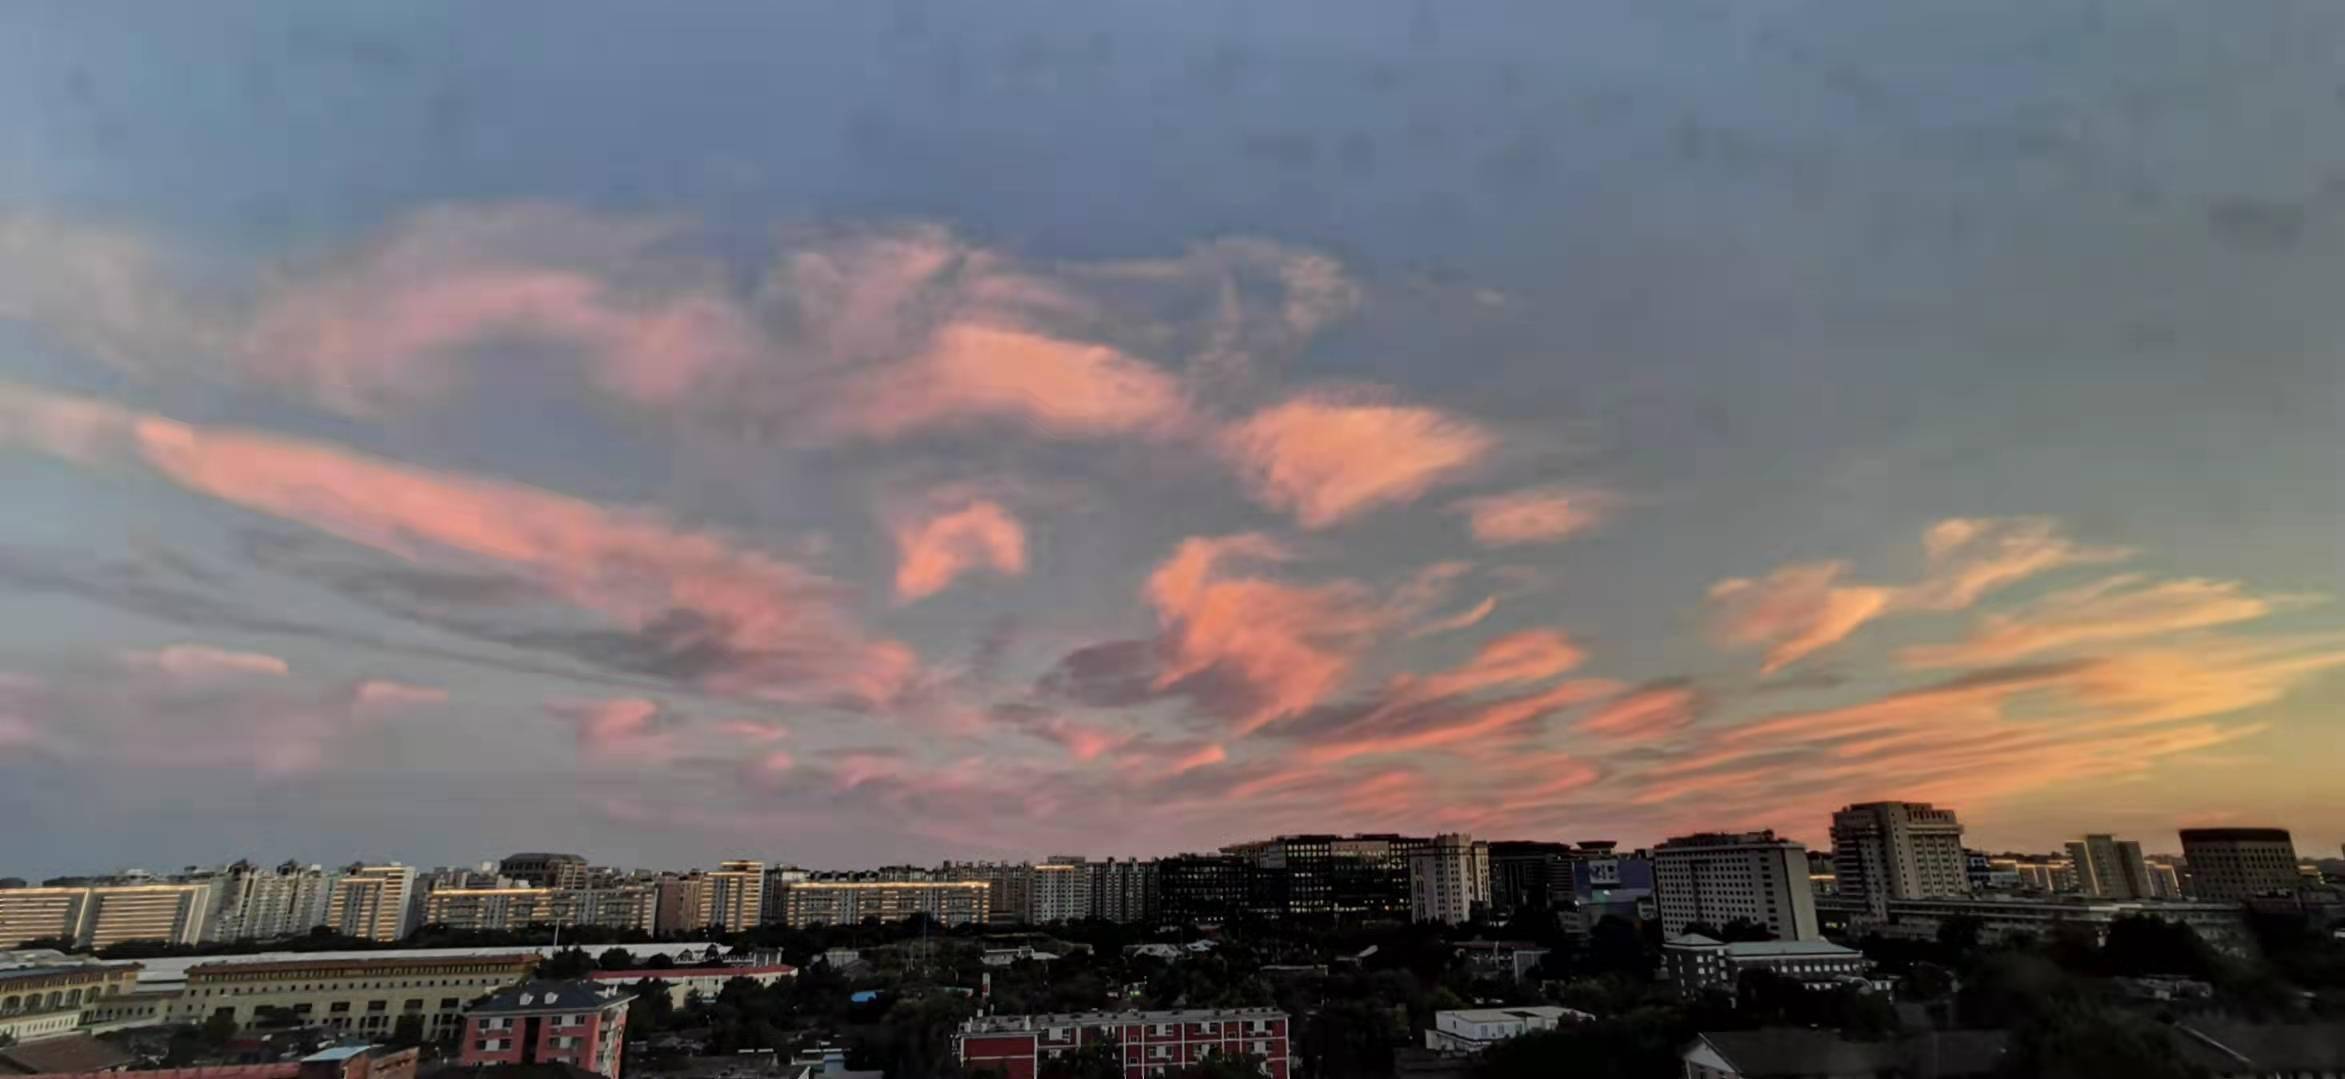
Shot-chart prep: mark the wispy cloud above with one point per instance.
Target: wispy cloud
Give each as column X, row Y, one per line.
column 1533, row 515
column 934, row 548
column 1325, row 458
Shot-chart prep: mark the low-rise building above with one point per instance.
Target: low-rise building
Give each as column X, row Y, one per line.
column 367, row 995
column 682, row 982
column 1800, row 1053
column 1150, row 1042
column 1695, row 963
column 576, row 1023
column 46, row 1001
column 1471, row 1030
column 1999, row 918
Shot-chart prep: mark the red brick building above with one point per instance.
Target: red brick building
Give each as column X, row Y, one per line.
column 572, row 1023
column 1150, row 1042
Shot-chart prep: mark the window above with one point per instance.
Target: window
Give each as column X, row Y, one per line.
column 339, row 1007
column 449, row 1004
column 378, row 1005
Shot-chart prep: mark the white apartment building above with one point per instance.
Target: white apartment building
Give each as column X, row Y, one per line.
column 377, row 902
column 1449, row 881
column 1058, row 890
column 1898, row 850
column 1717, row 879
column 262, row 904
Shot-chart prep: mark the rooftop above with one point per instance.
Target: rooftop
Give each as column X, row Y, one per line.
column 548, row 997
column 1508, row 1015
column 70, row 1053
column 171, row 971
column 1077, row 1019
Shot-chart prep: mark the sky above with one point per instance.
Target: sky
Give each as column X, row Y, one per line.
column 861, row 433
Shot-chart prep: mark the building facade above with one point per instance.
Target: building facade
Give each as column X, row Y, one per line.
column 2110, row 868
column 1695, row 963
column 1898, row 850
column 1529, row 876
column 545, row 869
column 680, row 903
column 2000, row 918
column 1008, row 886
column 548, row 1023
column 362, row 995
column 377, row 902
column 266, row 903
column 43, row 1001
column 735, row 895
column 1058, row 890
column 1471, row 1030
column 1149, row 1042
column 101, row 915
column 849, row 898
column 1449, row 880
column 1123, row 891
column 1717, row 879
column 683, row 982
column 2231, row 864
column 1204, row 889
column 626, row 907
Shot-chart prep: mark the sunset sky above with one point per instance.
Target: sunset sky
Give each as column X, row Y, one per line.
column 860, row 432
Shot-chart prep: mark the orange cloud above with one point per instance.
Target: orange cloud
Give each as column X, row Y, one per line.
column 1800, row 609
column 1532, row 515
column 1464, row 619
column 775, row 629
column 2113, row 609
column 621, row 730
column 933, row 551
column 1324, row 460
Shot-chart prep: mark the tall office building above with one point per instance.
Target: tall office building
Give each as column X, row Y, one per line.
column 1898, row 850
column 2110, row 868
column 2231, row 864
column 1529, row 876
column 1204, row 888
column 1123, row 891
column 1716, row 879
column 1058, row 890
column 378, row 902
column 1449, row 880
column 736, row 895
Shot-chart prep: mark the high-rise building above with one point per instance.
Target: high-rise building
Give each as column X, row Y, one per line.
column 2231, row 864
column 1529, row 876
column 1898, row 850
column 1306, row 875
column 377, row 902
column 1058, row 890
column 1009, row 886
column 736, row 895
column 1204, row 888
column 2109, row 868
column 1123, row 891
column 1718, row 879
column 259, row 903
column 1449, row 880
column 777, row 879
column 681, row 905
column 544, row 869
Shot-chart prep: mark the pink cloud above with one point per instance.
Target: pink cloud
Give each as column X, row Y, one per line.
column 781, row 629
column 1644, row 715
column 934, row 550
column 1533, row 515
column 1286, row 646
column 1469, row 617
column 1794, row 611
column 972, row 372
column 620, row 730
column 2117, row 608
column 382, row 693
column 1325, row 459
column 195, row 661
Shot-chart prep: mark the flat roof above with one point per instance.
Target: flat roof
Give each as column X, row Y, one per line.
column 1066, row 1019
column 171, row 971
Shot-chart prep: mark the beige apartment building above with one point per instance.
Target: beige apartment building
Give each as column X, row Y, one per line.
column 735, row 898
column 96, row 916
column 364, row 995
column 845, row 900
column 625, row 907
column 373, row 901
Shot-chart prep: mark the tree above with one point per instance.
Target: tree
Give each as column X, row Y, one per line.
column 2143, row 944
column 1098, row 1060
column 1958, row 938
column 1744, row 930
column 219, row 1027
column 652, row 1010
column 2081, row 1042
column 565, row 964
column 1218, row 1065
column 616, row 959
column 660, row 961
column 407, row 1029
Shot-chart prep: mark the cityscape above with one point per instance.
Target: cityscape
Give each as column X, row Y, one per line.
column 384, row 962
column 1172, row 539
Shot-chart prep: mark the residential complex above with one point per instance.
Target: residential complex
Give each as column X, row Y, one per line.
column 263, row 904
column 366, row 994
column 1058, row 891
column 2231, row 864
column 735, row 897
column 1898, row 850
column 849, row 898
column 1149, row 1041
column 1718, row 879
column 542, row 869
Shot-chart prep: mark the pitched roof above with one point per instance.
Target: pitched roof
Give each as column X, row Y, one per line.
column 548, row 997
column 2300, row 1047
column 70, row 1053
column 1789, row 1051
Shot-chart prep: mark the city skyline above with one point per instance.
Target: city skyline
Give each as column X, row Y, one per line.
column 1113, row 432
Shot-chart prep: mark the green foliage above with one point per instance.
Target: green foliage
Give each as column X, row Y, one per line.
column 1099, row 1060
column 2073, row 1042
column 218, row 1028
column 1220, row 1066
column 1640, row 1044
column 565, row 964
column 616, row 959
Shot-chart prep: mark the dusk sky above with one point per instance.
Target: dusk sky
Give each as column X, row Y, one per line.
column 883, row 431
